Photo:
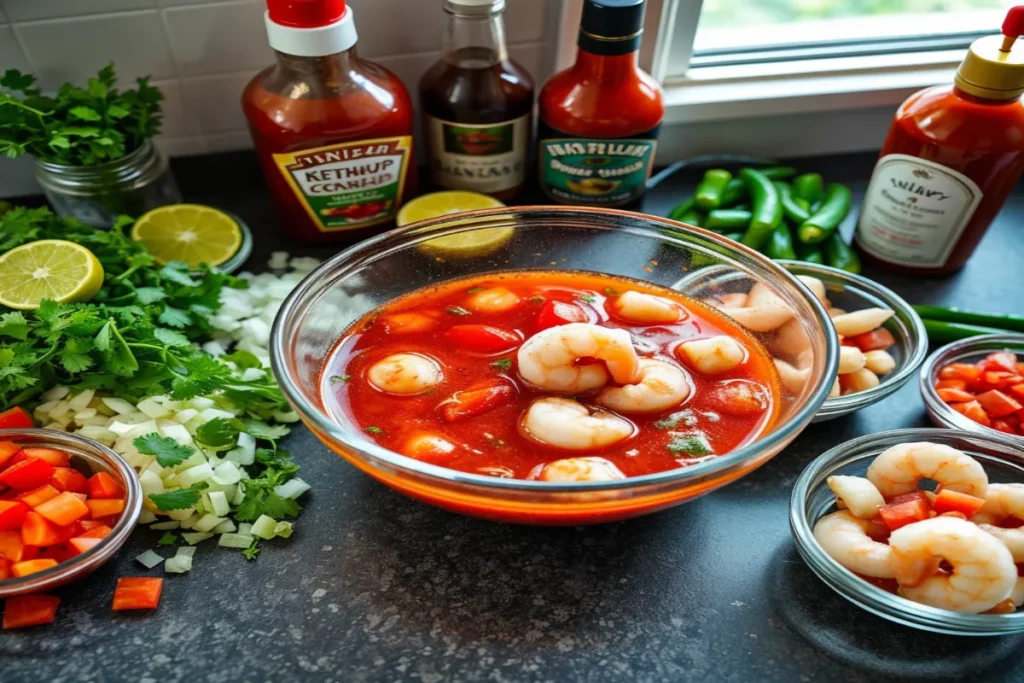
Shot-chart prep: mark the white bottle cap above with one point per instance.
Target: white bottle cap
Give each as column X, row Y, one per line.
column 316, row 41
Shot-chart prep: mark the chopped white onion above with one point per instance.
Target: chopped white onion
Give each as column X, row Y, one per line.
column 264, row 527
column 149, row 559
column 293, row 488
column 235, row 540
column 193, row 538
column 179, row 564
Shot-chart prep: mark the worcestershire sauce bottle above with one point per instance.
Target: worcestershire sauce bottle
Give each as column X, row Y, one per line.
column 600, row 118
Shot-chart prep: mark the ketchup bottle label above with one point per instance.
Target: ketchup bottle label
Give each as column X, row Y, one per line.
column 483, row 158
column 351, row 184
column 606, row 172
column 915, row 211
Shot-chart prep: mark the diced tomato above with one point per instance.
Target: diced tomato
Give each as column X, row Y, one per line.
column 955, row 395
column 5, row 568
column 554, row 313
column 1000, row 360
column 949, row 500
column 27, row 474
column 972, row 410
column 90, row 523
column 38, row 531
column 38, row 495
column 64, row 509
column 100, row 531
column 1017, row 390
column 16, row 418
column 901, row 514
column 483, row 338
column 7, row 451
column 951, row 384
column 907, row 497
column 32, row 566
column 13, row 548
column 80, row 544
column 55, row 457
column 12, row 514
column 1003, row 426
column 30, row 610
column 473, row 402
column 103, row 486
column 998, row 404
column 61, row 552
column 1000, row 380
column 137, row 592
column 968, row 372
column 105, row 507
column 70, row 479
column 879, row 339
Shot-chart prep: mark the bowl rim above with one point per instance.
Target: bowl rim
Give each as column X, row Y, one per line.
column 465, row 222
column 842, row 405
column 103, row 551
column 861, row 592
column 953, row 352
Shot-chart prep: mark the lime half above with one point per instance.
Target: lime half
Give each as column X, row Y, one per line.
column 48, row 269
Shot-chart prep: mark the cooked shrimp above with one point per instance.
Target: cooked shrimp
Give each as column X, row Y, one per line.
column 427, row 446
column 577, row 469
column 764, row 312
column 406, row 323
column 565, row 423
column 858, row 494
column 844, row 538
column 549, row 358
column 790, row 340
column 793, row 380
column 492, row 300
column 982, row 575
column 900, row 468
column 405, row 374
column 1018, row 592
column 713, row 355
column 660, row 385
column 1002, row 502
column 643, row 308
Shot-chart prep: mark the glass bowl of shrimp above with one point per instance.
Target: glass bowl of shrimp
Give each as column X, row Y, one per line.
column 866, row 522
column 365, row 279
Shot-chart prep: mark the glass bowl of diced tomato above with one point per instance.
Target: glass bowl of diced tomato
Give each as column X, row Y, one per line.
column 67, row 504
column 977, row 384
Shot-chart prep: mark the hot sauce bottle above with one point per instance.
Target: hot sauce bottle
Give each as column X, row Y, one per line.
column 600, row 118
column 333, row 132
column 477, row 105
column 952, row 156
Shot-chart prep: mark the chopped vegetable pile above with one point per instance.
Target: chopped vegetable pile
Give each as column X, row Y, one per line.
column 989, row 392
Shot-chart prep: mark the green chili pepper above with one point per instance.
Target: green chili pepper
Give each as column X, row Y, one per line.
column 802, row 204
column 790, row 208
column 681, row 208
column 809, row 253
column 777, row 172
column 692, row 217
column 941, row 332
column 781, row 244
column 827, row 217
column 735, row 190
column 711, row 188
column 726, row 220
column 809, row 187
column 767, row 208
column 838, row 254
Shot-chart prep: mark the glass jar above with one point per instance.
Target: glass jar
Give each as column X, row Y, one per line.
column 96, row 195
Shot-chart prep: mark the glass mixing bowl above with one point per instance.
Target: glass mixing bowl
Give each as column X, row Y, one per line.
column 620, row 243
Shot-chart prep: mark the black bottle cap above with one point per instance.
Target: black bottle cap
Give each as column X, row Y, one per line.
column 612, row 27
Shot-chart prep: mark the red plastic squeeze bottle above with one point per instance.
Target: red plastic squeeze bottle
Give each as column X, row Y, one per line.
column 333, row 132
column 952, row 156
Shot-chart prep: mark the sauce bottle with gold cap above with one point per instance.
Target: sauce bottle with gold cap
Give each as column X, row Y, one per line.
column 952, row 156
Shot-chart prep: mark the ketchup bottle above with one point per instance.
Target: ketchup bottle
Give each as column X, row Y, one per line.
column 952, row 156
column 333, row 132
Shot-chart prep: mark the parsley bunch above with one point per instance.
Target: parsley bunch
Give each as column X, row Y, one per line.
column 134, row 338
column 77, row 126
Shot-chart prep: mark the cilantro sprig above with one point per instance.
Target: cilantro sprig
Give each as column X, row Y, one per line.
column 260, row 498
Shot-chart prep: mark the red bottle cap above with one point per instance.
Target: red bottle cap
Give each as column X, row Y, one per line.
column 305, row 13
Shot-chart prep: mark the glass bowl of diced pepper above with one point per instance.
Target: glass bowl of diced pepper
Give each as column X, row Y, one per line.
column 977, row 384
column 67, row 504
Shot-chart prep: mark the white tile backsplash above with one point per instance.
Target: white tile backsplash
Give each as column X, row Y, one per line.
column 201, row 53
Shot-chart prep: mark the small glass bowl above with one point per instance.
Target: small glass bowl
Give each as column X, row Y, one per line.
column 968, row 350
column 1003, row 461
column 239, row 258
column 851, row 293
column 88, row 457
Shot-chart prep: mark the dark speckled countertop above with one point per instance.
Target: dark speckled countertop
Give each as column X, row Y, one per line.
column 377, row 587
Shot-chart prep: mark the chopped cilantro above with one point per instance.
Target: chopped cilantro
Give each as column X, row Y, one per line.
column 476, row 290
column 167, row 539
column 253, row 550
column 693, row 443
column 339, row 378
column 373, row 430
column 457, row 310
column 586, row 298
column 687, row 417
column 220, row 432
column 168, row 452
column 260, row 498
column 179, row 499
column 502, row 363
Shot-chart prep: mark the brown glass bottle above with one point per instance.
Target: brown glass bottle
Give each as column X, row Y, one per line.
column 477, row 106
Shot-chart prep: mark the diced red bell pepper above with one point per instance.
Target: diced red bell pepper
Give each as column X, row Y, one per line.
column 951, row 384
column 1003, row 426
column 38, row 495
column 13, row 548
column 955, row 395
column 483, row 338
column 1017, row 390
column 99, row 531
column 1000, row 360
column 30, row 610
column 55, row 457
column 64, row 509
column 105, row 507
column 137, row 592
column 879, row 339
column 5, row 568
column 554, row 313
column 998, row 404
column 80, row 544
column 12, row 514
column 949, row 500
column 967, row 372
column 901, row 514
column 27, row 474
column 907, row 497
column 1000, row 380
column 61, row 552
column 972, row 410
column 38, row 531
column 473, row 402
column 103, row 486
column 16, row 418
column 32, row 566
column 7, row 451
column 70, row 479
